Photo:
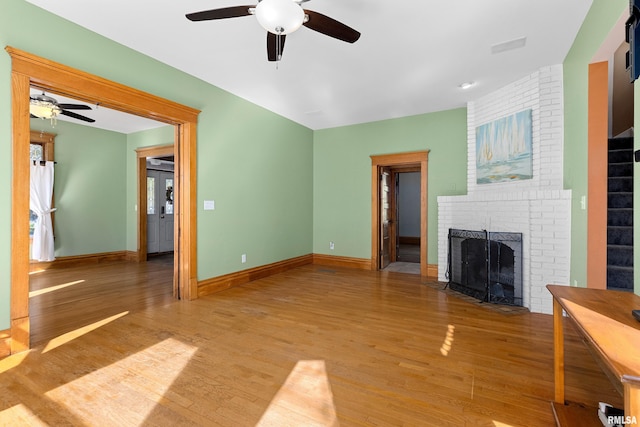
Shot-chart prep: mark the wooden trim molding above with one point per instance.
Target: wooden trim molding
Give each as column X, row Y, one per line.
column 220, row 283
column 78, row 260
column 402, row 161
column 432, row 271
column 238, row 278
column 28, row 71
column 341, row 261
column 5, row 343
column 597, row 146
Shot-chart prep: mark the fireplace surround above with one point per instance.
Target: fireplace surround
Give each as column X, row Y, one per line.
column 539, row 208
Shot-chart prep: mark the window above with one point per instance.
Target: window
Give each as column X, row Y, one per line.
column 151, row 195
column 168, row 183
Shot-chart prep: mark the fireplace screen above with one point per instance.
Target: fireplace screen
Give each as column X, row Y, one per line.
column 486, row 265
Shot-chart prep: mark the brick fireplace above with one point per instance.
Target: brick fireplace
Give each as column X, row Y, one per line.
column 538, row 208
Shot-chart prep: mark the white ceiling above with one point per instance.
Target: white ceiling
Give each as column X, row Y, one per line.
column 411, row 58
column 105, row 118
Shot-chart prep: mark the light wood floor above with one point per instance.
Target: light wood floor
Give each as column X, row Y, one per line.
column 312, row 346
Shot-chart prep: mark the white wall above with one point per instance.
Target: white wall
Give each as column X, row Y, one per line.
column 538, row 208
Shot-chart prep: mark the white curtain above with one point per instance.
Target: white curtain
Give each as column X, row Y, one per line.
column 40, row 203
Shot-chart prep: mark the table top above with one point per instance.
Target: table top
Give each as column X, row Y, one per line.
column 604, row 318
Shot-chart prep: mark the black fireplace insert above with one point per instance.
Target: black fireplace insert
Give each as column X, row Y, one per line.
column 486, row 265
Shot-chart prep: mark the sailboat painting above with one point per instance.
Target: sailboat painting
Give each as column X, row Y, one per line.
column 503, row 149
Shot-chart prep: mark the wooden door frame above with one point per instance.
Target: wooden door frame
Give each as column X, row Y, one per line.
column 399, row 161
column 28, row 71
column 141, row 160
column 597, row 167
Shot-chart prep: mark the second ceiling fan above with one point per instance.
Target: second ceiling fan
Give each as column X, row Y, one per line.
column 279, row 18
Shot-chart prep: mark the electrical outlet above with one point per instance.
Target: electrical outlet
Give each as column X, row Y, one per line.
column 331, row 246
column 244, row 258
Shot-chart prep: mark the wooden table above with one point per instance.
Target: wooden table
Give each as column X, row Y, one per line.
column 604, row 319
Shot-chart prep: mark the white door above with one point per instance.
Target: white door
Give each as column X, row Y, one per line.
column 160, row 199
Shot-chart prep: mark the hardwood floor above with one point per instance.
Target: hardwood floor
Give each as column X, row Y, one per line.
column 64, row 299
column 311, row 346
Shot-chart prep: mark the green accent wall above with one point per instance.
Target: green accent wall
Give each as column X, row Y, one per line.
column 256, row 165
column 280, row 189
column 89, row 188
column 342, row 175
column 601, row 18
column 258, row 169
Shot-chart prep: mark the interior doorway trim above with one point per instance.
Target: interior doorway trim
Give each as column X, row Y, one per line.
column 597, row 146
column 27, row 71
column 141, row 156
column 418, row 159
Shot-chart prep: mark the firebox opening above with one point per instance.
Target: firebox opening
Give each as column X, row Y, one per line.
column 486, row 265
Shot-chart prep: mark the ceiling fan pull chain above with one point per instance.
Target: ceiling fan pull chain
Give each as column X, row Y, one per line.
column 279, row 31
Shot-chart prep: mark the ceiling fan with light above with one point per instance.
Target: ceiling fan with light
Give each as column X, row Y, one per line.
column 279, row 18
column 46, row 107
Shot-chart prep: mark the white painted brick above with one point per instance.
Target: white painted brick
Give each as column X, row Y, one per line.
column 539, row 208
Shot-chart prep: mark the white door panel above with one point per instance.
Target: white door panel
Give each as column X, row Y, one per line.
column 160, row 219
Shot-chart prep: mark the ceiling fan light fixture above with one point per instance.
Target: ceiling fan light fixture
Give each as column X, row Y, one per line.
column 279, row 16
column 44, row 109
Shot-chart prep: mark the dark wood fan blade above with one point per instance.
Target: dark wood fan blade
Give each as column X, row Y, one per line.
column 223, row 13
column 76, row 116
column 273, row 53
column 74, row 107
column 330, row 27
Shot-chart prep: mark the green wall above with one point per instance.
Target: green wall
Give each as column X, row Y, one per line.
column 258, row 170
column 256, row 165
column 89, row 188
column 601, row 18
column 281, row 190
column 342, row 175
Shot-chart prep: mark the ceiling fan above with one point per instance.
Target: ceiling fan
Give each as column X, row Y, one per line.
column 279, row 18
column 46, row 107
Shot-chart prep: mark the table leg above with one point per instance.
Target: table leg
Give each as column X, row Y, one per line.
column 632, row 401
column 558, row 352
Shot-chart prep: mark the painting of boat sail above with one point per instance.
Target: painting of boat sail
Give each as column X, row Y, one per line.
column 503, row 149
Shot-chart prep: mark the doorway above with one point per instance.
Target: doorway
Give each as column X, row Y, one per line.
column 160, row 196
column 33, row 71
column 408, row 218
column 385, row 170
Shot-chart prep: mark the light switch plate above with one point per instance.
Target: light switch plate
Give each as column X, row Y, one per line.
column 209, row 205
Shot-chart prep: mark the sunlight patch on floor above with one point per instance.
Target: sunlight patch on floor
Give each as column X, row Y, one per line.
column 499, row 424
column 135, row 395
column 53, row 288
column 448, row 341
column 305, row 398
column 36, row 272
column 12, row 361
column 20, row 414
column 70, row 336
